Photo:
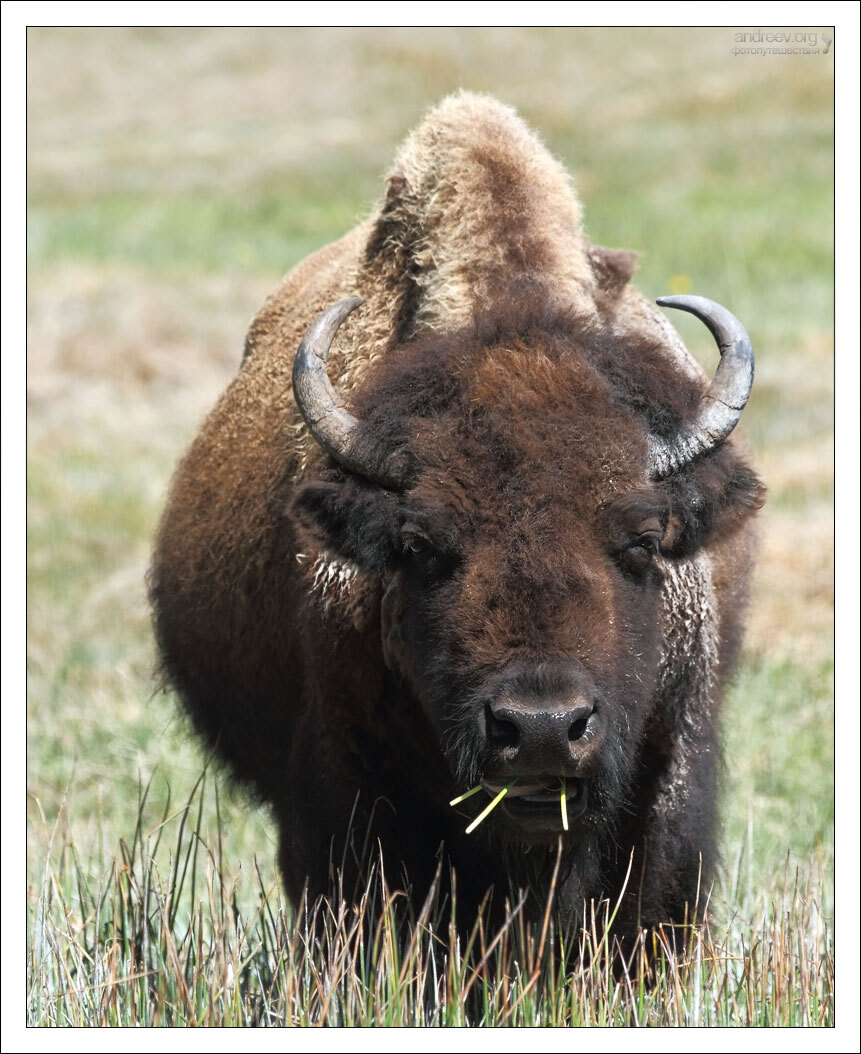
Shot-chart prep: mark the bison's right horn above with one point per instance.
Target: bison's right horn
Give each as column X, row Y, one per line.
column 721, row 405
column 328, row 420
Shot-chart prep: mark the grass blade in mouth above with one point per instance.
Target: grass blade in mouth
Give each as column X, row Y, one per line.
column 564, row 806
column 463, row 797
column 486, row 812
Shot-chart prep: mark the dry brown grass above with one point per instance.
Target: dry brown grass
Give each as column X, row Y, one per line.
column 109, row 334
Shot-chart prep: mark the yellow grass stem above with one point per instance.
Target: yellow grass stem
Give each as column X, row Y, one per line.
column 463, row 797
column 486, row 812
column 564, row 805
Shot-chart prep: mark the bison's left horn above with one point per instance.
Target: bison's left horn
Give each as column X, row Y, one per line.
column 721, row 405
column 333, row 426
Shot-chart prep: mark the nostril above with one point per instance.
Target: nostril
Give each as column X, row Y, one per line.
column 500, row 733
column 578, row 728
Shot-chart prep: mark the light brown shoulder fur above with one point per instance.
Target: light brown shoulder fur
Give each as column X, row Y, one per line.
column 482, row 200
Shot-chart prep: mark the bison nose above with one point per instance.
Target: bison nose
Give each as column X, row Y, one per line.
column 535, row 737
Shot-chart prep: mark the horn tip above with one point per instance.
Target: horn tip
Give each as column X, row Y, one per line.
column 342, row 308
column 676, row 300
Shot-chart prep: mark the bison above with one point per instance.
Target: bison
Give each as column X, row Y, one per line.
column 486, row 530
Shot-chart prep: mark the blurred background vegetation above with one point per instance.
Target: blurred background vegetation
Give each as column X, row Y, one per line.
column 175, row 174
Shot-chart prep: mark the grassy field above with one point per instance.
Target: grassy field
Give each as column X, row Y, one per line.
column 173, row 176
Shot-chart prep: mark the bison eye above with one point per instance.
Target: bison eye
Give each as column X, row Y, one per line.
column 416, row 543
column 637, row 557
column 427, row 560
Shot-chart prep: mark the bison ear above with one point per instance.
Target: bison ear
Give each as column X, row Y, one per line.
column 319, row 512
column 348, row 519
column 709, row 499
column 613, row 268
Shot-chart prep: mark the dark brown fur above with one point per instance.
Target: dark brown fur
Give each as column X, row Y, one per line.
column 342, row 676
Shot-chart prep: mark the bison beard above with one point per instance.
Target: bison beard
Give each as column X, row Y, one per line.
column 507, row 547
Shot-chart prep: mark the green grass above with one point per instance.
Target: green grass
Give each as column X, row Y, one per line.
column 193, row 233
column 779, row 743
column 173, row 175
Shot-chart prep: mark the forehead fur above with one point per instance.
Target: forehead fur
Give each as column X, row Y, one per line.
column 525, row 398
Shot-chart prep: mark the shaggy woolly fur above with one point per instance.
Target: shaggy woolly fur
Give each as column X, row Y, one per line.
column 340, row 645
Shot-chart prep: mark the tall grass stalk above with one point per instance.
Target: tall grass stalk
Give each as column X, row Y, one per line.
column 165, row 937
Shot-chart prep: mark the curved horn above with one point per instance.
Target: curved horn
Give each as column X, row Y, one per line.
column 721, row 406
column 328, row 420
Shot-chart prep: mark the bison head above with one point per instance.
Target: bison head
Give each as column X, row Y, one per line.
column 518, row 489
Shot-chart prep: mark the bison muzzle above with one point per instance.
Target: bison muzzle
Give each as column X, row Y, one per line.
column 483, row 538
